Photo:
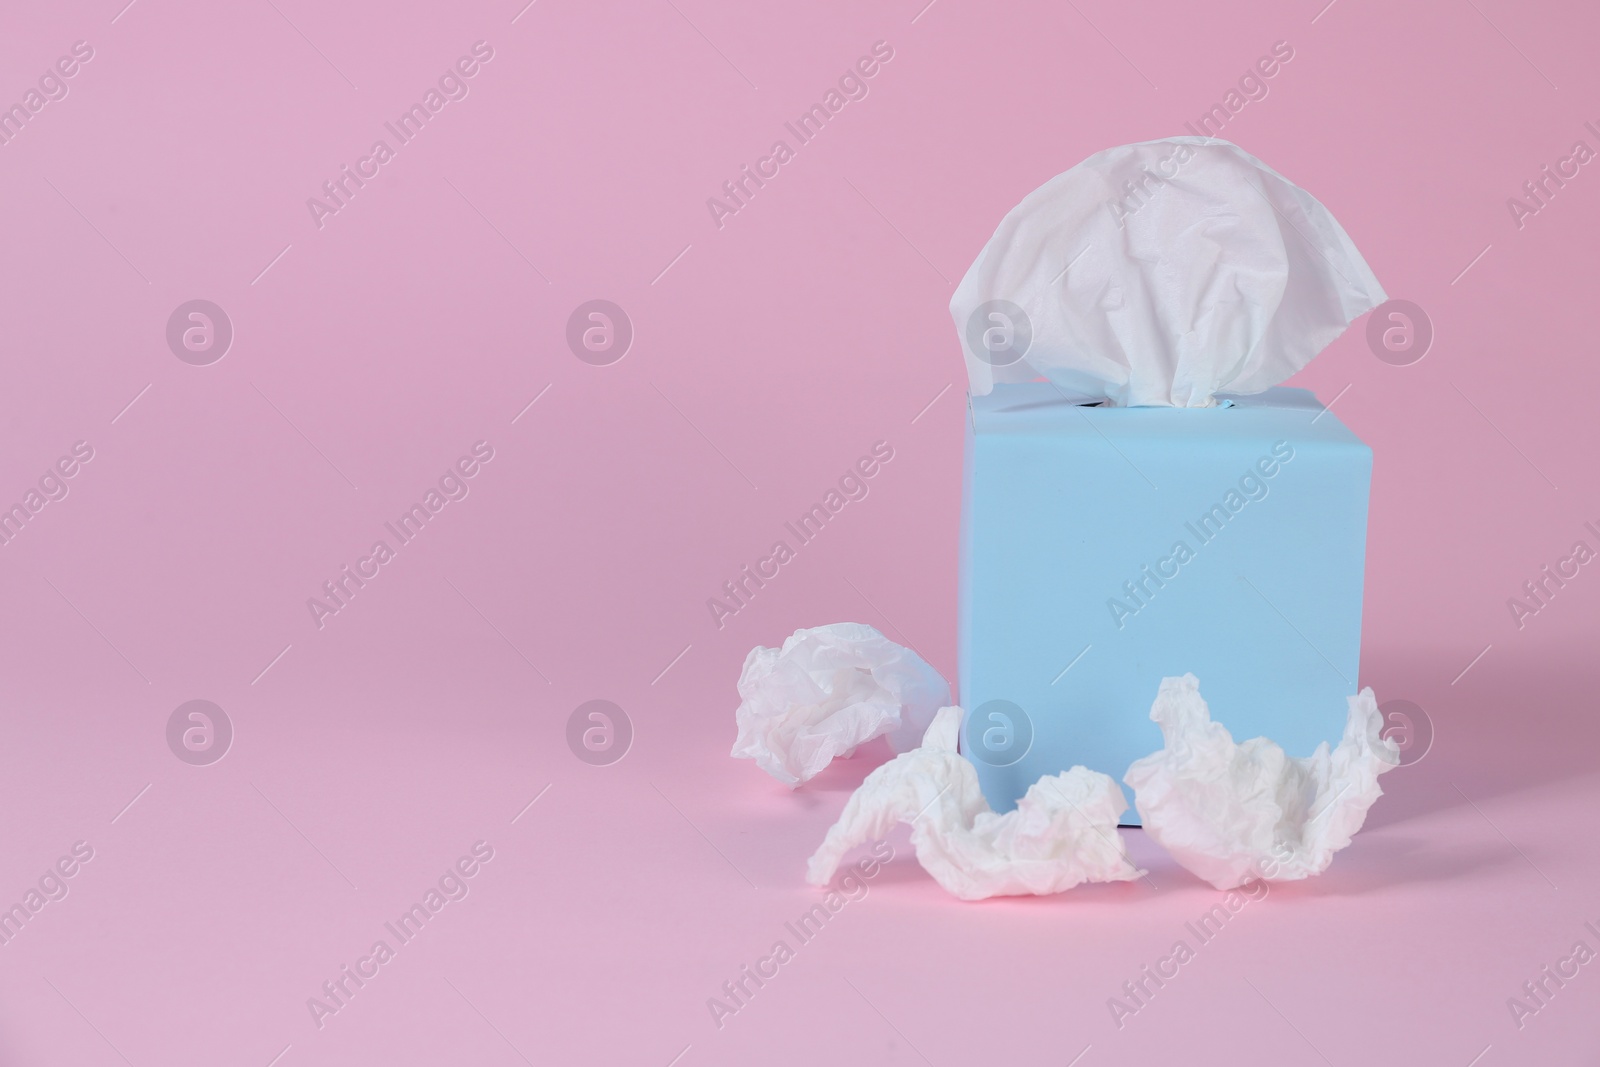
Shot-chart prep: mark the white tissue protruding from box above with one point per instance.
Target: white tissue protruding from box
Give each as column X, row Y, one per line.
column 1233, row 813
column 1161, row 273
column 828, row 690
column 1062, row 833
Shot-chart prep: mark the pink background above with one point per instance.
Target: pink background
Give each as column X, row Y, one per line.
column 427, row 714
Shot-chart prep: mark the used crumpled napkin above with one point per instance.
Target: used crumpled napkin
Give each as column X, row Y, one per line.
column 1062, row 833
column 1232, row 813
column 827, row 690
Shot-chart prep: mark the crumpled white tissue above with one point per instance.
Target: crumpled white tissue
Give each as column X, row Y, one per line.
column 1161, row 273
column 827, row 690
column 1062, row 833
column 1232, row 813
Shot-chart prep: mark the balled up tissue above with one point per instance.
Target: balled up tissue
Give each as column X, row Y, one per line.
column 1233, row 813
column 1160, row 273
column 1062, row 833
column 827, row 690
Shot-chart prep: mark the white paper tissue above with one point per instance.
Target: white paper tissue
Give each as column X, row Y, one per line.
column 1062, row 833
column 1232, row 813
column 1160, row 273
column 827, row 690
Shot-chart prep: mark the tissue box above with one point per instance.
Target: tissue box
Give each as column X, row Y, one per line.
column 1103, row 549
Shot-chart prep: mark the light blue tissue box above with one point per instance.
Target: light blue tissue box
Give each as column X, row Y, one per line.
column 1076, row 598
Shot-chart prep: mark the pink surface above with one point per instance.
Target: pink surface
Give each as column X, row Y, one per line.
column 372, row 351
